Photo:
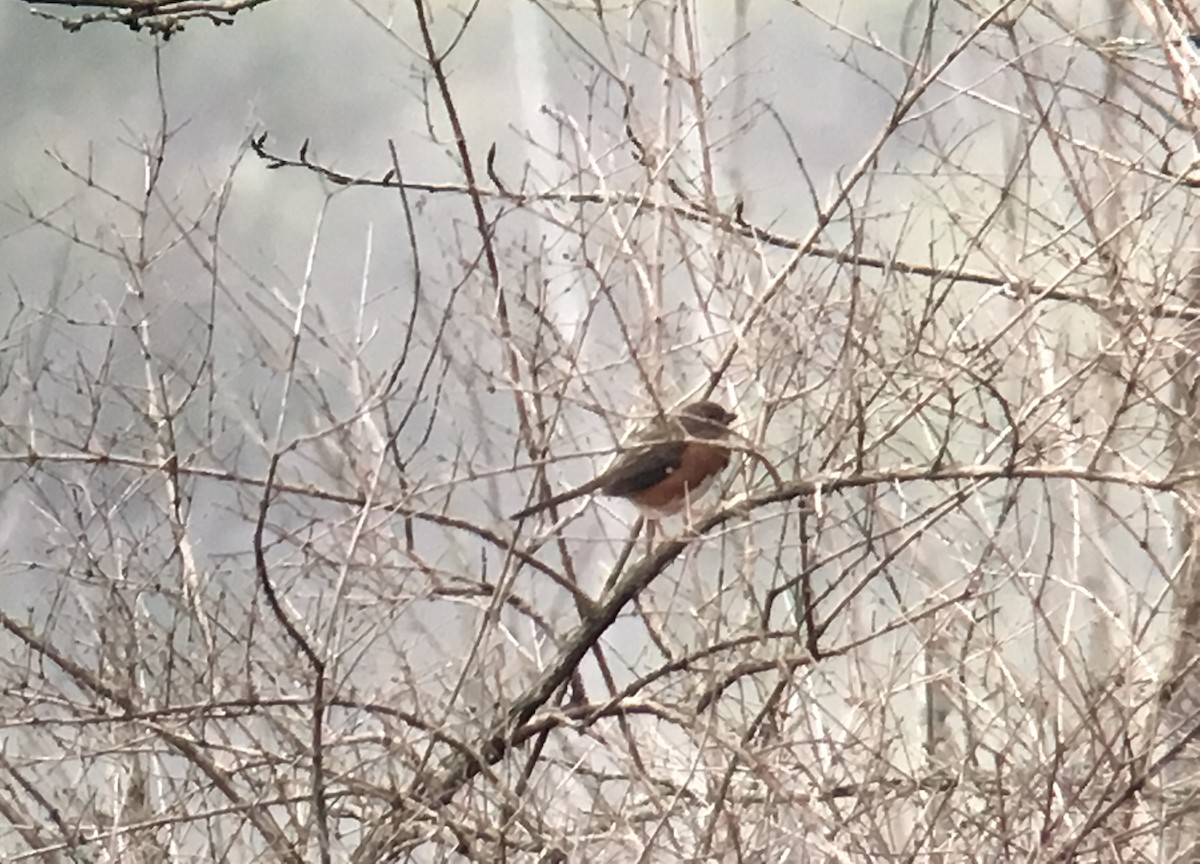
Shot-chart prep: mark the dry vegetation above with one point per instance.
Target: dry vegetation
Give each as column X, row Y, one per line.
column 943, row 607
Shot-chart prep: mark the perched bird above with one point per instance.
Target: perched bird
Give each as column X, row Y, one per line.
column 668, row 462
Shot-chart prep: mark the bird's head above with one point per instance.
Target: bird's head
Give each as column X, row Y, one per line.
column 712, row 414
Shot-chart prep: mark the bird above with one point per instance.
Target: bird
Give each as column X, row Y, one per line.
column 670, row 460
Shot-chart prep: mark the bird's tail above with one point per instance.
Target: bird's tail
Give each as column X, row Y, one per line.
column 560, row 498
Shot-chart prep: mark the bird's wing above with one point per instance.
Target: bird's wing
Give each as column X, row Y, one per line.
column 642, row 467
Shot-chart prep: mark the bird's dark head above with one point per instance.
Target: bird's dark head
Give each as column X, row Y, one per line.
column 709, row 412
